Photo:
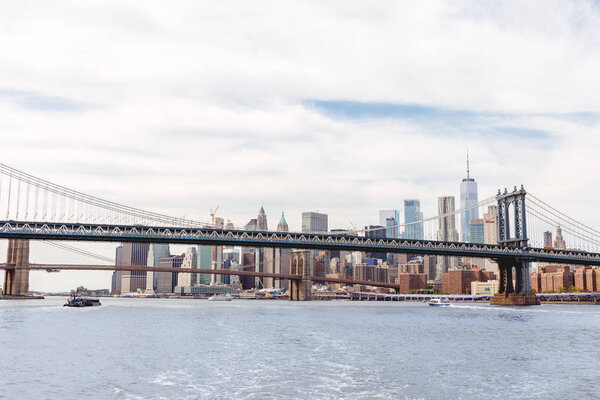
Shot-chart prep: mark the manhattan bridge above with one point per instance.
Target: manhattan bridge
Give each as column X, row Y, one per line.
column 32, row 208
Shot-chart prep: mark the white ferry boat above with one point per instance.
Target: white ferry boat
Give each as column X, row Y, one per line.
column 437, row 302
column 220, row 297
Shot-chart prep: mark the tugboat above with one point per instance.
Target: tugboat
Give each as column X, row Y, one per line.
column 81, row 302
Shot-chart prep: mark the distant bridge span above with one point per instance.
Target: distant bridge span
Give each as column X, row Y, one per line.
column 100, row 267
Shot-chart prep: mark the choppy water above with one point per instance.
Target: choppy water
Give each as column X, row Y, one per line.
column 194, row 349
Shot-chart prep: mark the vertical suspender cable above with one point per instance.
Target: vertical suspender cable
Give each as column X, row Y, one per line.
column 45, row 204
column 35, row 206
column 18, row 199
column 9, row 190
column 27, row 203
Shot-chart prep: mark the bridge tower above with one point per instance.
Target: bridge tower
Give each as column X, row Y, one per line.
column 300, row 289
column 518, row 293
column 16, row 275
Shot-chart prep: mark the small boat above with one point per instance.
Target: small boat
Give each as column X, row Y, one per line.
column 437, row 302
column 81, row 302
column 220, row 297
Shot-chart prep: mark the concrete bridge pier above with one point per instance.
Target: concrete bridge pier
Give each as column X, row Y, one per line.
column 518, row 294
column 16, row 275
column 300, row 289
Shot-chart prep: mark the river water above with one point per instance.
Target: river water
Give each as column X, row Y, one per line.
column 195, row 349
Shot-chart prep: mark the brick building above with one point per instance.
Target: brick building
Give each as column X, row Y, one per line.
column 458, row 281
column 375, row 273
column 412, row 267
column 552, row 278
column 587, row 279
column 408, row 282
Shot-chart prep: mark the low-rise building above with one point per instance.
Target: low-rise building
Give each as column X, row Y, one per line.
column 489, row 287
column 407, row 282
column 587, row 279
column 551, row 278
column 458, row 281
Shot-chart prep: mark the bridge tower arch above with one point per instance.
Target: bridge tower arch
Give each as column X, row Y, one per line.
column 16, row 275
column 519, row 292
column 300, row 289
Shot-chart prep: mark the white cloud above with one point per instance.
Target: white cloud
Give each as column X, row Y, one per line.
column 179, row 107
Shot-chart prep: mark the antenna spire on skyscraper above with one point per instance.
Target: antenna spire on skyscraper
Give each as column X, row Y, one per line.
column 468, row 172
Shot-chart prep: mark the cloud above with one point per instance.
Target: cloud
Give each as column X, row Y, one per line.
column 37, row 102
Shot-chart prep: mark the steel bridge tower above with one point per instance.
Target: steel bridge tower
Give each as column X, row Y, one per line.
column 511, row 209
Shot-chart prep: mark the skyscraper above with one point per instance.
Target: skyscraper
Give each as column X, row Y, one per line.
column 490, row 235
column 412, row 213
column 117, row 276
column 376, row 231
column 261, row 221
column 282, row 256
column 547, row 239
column 559, row 241
column 468, row 198
column 282, row 226
column 446, row 232
column 155, row 253
column 190, row 260
column 390, row 219
column 203, row 260
column 476, row 230
column 134, row 254
column 314, row 222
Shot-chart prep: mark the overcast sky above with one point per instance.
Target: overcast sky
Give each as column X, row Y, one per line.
column 346, row 107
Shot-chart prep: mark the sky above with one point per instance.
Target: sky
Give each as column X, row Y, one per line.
column 345, row 107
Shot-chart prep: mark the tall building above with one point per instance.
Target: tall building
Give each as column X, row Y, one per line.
column 376, row 231
column 203, row 260
column 166, row 281
column 446, row 232
column 412, row 213
column 314, row 222
column 559, row 241
column 190, row 260
column 155, row 253
column 468, row 198
column 217, row 254
column 490, row 236
column 117, row 276
column 261, row 221
column 251, row 225
column 283, row 255
column 390, row 219
column 547, row 239
column 134, row 254
column 282, row 226
column 232, row 257
column 476, row 230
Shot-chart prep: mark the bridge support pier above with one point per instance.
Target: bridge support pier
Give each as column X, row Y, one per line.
column 300, row 289
column 16, row 275
column 518, row 295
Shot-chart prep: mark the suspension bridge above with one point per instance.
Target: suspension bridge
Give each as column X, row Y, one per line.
column 36, row 209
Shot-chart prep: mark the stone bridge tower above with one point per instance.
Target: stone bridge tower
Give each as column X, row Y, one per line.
column 16, row 276
column 300, row 289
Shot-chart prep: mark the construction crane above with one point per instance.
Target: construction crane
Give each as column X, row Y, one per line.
column 213, row 213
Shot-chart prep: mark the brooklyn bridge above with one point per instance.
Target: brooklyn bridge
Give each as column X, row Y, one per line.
column 37, row 210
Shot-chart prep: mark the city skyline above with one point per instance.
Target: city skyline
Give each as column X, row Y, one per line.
column 411, row 208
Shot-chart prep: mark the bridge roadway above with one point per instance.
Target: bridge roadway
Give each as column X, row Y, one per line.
column 100, row 267
column 258, row 239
